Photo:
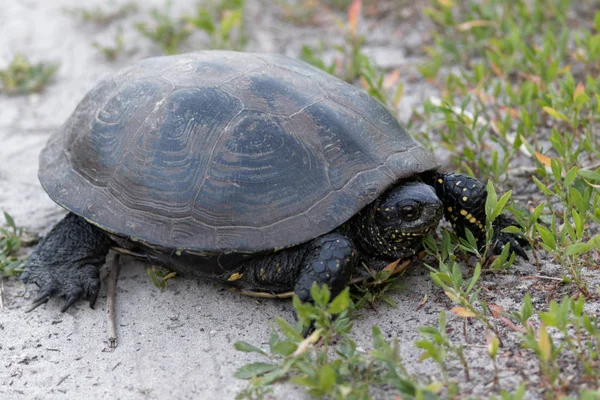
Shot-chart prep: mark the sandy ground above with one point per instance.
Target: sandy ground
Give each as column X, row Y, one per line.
column 175, row 344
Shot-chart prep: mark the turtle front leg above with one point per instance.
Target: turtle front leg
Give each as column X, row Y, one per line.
column 464, row 200
column 330, row 262
column 66, row 262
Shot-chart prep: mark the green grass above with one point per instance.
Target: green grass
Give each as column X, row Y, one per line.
column 519, row 104
column 327, row 363
column 525, row 99
column 10, row 243
column 349, row 61
column 112, row 52
column 166, row 31
column 22, row 77
column 222, row 22
column 100, row 16
column 160, row 276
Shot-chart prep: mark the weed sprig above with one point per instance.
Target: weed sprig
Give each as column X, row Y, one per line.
column 22, row 77
column 10, row 243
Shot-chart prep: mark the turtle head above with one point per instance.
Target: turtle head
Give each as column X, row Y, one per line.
column 397, row 222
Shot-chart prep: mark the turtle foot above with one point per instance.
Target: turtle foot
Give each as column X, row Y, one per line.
column 66, row 263
column 69, row 281
column 518, row 243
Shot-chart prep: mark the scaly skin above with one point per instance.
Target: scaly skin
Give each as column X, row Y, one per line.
column 66, row 262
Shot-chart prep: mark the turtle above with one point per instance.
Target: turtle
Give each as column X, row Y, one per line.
column 255, row 169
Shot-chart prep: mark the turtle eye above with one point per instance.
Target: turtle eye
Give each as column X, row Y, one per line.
column 408, row 212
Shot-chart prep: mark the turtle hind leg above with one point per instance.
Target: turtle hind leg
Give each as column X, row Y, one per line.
column 67, row 261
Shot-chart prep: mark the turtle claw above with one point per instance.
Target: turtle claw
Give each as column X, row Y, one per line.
column 92, row 293
column 518, row 243
column 71, row 299
column 69, row 281
column 66, row 263
column 41, row 298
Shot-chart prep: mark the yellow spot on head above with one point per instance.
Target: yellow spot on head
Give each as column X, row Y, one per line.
column 235, row 277
column 463, row 212
column 440, row 180
column 465, row 198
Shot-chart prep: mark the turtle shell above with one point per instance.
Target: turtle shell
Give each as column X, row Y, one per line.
column 225, row 151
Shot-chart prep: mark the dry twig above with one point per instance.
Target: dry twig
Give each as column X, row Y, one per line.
column 111, row 301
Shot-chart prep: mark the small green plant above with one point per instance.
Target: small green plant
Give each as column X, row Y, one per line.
column 349, row 61
column 566, row 331
column 160, row 276
column 343, row 372
column 112, row 52
column 588, row 51
column 22, row 77
column 10, row 243
column 100, row 16
column 223, row 22
column 378, row 284
column 569, row 242
column 382, row 87
column 165, row 31
column 436, row 345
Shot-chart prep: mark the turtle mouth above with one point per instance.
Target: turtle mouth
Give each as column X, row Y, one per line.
column 430, row 219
